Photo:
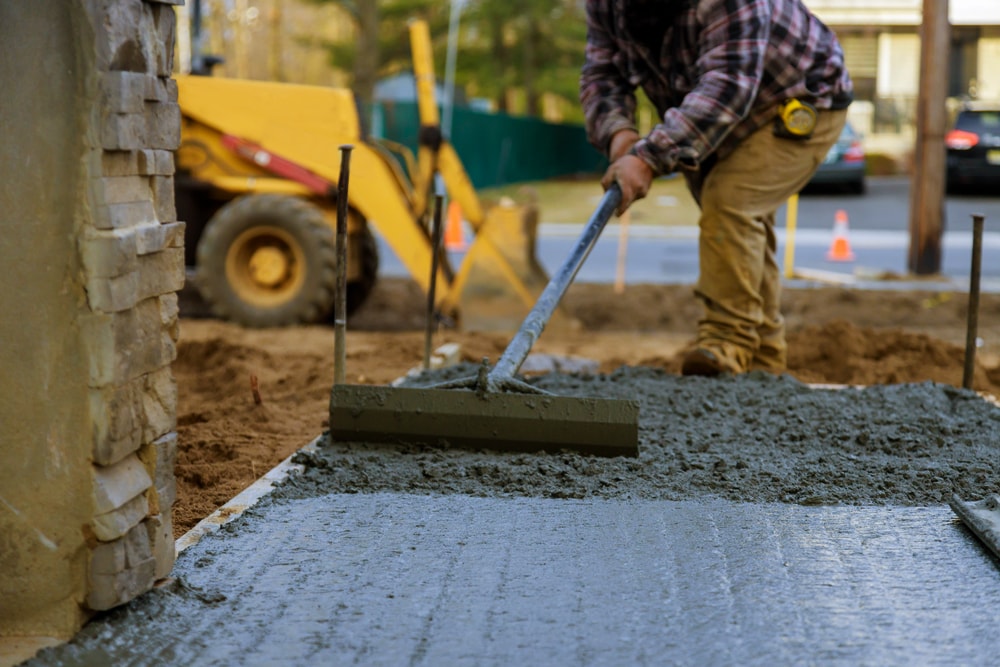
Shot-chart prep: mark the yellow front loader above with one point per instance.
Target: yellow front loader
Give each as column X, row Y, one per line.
column 256, row 181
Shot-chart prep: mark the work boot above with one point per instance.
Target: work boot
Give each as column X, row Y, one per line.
column 711, row 358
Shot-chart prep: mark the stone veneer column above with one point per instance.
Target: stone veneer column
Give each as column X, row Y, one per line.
column 133, row 261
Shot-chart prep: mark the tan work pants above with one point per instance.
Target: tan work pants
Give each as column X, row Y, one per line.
column 739, row 279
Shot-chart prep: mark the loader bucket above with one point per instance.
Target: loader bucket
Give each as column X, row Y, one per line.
column 500, row 277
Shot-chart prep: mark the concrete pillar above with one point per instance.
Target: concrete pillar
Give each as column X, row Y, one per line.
column 93, row 257
column 44, row 409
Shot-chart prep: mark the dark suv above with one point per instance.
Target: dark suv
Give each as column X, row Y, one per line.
column 974, row 149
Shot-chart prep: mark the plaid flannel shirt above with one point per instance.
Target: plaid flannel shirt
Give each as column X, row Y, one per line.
column 716, row 70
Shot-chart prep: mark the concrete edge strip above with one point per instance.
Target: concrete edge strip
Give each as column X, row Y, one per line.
column 240, row 503
column 445, row 355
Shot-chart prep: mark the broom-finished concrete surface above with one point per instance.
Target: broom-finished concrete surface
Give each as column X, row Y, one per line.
column 396, row 579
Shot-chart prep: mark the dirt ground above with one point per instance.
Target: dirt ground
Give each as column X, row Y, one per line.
column 227, row 441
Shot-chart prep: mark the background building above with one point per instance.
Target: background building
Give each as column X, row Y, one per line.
column 882, row 47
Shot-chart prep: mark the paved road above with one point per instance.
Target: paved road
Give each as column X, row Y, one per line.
column 878, row 236
column 886, row 206
column 670, row 255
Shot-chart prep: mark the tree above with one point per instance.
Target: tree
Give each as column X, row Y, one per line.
column 381, row 45
column 530, row 46
column 533, row 45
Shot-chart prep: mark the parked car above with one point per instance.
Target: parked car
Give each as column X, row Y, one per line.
column 844, row 164
column 974, row 148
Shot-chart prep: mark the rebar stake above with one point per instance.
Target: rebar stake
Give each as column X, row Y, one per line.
column 340, row 298
column 971, row 331
column 435, row 250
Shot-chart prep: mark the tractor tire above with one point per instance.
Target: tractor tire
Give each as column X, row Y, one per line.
column 267, row 261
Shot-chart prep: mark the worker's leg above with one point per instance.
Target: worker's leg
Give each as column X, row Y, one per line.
column 739, row 278
column 772, row 352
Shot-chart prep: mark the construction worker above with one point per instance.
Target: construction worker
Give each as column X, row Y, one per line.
column 751, row 94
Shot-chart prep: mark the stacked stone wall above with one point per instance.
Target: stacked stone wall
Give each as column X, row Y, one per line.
column 132, row 253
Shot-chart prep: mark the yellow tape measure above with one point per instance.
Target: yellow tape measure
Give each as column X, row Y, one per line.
column 796, row 119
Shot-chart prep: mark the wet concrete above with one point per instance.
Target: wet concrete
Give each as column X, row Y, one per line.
column 756, row 437
column 394, row 579
column 764, row 522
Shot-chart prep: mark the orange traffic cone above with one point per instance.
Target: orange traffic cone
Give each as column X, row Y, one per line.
column 454, row 233
column 840, row 249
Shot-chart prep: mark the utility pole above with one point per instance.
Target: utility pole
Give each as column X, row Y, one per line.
column 928, row 184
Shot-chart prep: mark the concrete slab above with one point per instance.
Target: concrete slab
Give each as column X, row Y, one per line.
column 393, row 579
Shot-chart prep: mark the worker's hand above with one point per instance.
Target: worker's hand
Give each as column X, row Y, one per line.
column 633, row 176
column 621, row 142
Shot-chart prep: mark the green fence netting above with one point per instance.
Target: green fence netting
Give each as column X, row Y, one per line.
column 498, row 149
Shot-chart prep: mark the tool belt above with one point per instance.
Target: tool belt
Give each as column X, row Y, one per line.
column 795, row 120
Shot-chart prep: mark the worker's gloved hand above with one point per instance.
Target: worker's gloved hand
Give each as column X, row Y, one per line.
column 621, row 143
column 633, row 176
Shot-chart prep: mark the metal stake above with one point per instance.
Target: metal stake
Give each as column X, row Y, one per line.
column 340, row 299
column 973, row 316
column 435, row 250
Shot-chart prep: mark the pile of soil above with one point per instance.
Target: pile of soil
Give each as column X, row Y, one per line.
column 227, row 440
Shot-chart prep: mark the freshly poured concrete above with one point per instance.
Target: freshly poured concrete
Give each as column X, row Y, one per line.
column 755, row 438
column 393, row 579
column 764, row 522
